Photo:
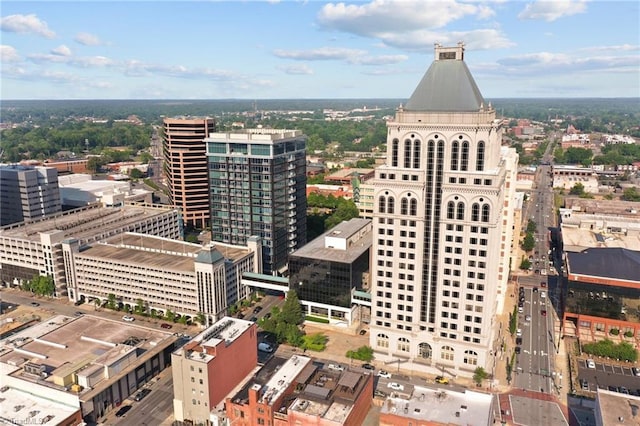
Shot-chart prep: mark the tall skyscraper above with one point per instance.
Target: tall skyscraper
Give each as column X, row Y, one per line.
column 442, row 225
column 257, row 179
column 27, row 193
column 185, row 166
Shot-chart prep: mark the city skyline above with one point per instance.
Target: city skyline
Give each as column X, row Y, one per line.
column 288, row 50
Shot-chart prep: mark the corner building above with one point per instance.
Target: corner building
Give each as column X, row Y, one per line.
column 443, row 220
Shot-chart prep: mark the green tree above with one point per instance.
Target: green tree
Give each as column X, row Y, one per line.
column 292, row 310
column 140, row 308
column 201, row 318
column 513, row 321
column 363, row 353
column 170, row 315
column 94, row 164
column 529, row 242
column 525, row 264
column 578, row 189
column 531, row 226
column 136, row 174
column 346, row 210
column 581, row 156
column 631, row 194
column 480, row 375
column 111, row 301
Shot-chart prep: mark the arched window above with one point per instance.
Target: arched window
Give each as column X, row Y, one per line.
column 394, row 153
column 447, row 353
column 404, row 206
column 407, row 153
column 382, row 204
column 390, row 203
column 480, row 157
column 413, row 209
column 416, row 154
column 475, row 212
column 382, row 340
column 425, row 351
column 470, row 357
column 460, row 211
column 485, row 212
column 403, row 344
column 455, row 148
column 450, row 210
column 464, row 157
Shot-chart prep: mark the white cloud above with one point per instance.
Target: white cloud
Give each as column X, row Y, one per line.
column 8, row 54
column 135, row 68
column 554, row 63
column 617, row 48
column 423, row 40
column 87, row 39
column 61, row 50
column 550, row 10
column 321, row 54
column 26, row 24
column 379, row 60
column 79, row 61
column 296, row 69
column 380, row 16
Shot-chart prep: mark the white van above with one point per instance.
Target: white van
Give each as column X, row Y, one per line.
column 543, row 295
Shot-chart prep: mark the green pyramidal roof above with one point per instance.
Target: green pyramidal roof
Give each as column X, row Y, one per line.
column 447, row 86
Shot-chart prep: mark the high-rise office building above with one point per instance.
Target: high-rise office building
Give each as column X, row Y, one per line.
column 185, row 166
column 27, row 193
column 257, row 179
column 442, row 225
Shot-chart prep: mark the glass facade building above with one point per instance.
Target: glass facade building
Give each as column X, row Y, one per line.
column 257, row 184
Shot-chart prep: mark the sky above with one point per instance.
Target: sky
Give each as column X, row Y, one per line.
column 314, row 49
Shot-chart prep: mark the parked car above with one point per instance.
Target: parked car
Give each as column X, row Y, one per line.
column 336, row 367
column 128, row 318
column 35, row 304
column 257, row 309
column 543, row 295
column 140, row 395
column 543, row 284
column 543, row 313
column 265, row 347
column 635, row 371
column 368, row 367
column 527, row 317
column 384, row 374
column 518, row 349
column 518, row 341
column 79, row 313
column 535, row 289
column 442, row 380
column 363, row 332
column 395, row 386
column 519, row 332
column 123, row 410
column 379, row 394
column 590, row 363
column 584, row 385
column 165, row 325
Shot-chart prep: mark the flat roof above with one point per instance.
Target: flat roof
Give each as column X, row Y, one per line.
column 283, row 378
column 316, row 249
column 82, row 223
column 442, row 406
column 617, row 263
column 347, row 171
column 147, row 250
column 226, row 329
column 27, row 408
column 63, row 343
column 618, row 408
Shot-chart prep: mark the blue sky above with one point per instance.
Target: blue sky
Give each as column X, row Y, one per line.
column 313, row 49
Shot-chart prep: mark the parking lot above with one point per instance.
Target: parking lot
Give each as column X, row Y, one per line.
column 607, row 375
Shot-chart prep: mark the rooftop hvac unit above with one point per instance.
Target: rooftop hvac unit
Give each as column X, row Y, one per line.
column 34, row 368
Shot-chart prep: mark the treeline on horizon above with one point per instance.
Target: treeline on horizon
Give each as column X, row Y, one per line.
column 48, row 127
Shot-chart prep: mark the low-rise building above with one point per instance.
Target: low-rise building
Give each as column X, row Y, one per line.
column 566, row 177
column 427, row 406
column 89, row 365
column 34, row 248
column 158, row 275
column 210, row 366
column 616, row 409
column 325, row 272
column 77, row 190
column 602, row 260
column 296, row 391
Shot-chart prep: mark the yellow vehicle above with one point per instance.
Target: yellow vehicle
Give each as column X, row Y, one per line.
column 442, row 380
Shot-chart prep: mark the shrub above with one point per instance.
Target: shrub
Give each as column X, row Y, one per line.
column 316, row 319
column 315, row 342
column 606, row 348
column 363, row 353
column 628, row 333
column 614, row 331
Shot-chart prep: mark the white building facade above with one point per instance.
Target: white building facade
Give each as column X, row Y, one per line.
column 443, row 221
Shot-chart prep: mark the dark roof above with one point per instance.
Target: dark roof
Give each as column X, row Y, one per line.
column 615, row 262
column 209, row 255
column 448, row 87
